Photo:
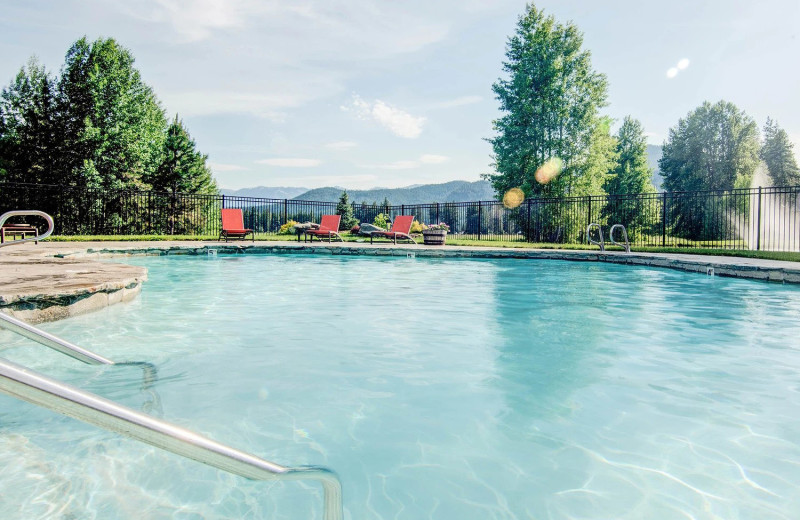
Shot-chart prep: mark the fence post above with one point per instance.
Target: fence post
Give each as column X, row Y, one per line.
column 528, row 230
column 758, row 226
column 285, row 210
column 223, row 202
column 589, row 217
column 480, row 218
column 402, row 209
column 437, row 213
column 664, row 220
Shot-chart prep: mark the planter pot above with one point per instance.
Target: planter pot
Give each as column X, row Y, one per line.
column 434, row 237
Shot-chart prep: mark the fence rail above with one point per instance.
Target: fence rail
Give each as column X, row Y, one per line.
column 759, row 218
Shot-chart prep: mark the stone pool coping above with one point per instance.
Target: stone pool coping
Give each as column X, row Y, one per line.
column 54, row 280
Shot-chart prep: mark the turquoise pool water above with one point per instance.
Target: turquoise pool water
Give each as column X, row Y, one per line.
column 442, row 389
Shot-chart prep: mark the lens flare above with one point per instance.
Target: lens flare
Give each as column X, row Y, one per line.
column 513, row 198
column 683, row 63
column 549, row 170
column 671, row 73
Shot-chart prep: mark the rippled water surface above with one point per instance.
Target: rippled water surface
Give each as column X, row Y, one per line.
column 443, row 389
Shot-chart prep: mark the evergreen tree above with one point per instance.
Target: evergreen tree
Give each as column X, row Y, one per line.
column 551, row 100
column 182, row 170
column 777, row 152
column 112, row 122
column 630, row 177
column 632, row 174
column 29, row 144
column 345, row 209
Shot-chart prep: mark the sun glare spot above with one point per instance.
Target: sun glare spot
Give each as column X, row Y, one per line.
column 549, row 170
column 683, row 63
column 513, row 198
column 671, row 73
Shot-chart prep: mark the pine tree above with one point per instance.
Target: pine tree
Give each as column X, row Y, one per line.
column 182, row 170
column 345, row 209
column 630, row 177
column 29, row 144
column 551, row 100
column 778, row 154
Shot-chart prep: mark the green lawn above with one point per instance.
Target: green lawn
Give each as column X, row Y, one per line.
column 771, row 255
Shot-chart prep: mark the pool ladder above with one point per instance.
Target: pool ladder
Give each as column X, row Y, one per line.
column 27, row 212
column 625, row 244
column 33, row 387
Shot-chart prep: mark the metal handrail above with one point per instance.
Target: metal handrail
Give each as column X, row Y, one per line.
column 40, row 390
column 591, row 240
column 48, row 340
column 54, row 395
column 626, row 245
column 21, row 213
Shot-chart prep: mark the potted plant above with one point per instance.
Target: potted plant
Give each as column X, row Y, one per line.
column 434, row 234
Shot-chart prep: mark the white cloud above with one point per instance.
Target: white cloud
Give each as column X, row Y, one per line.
column 458, row 102
column 219, row 167
column 288, row 162
column 433, row 159
column 341, row 145
column 400, row 123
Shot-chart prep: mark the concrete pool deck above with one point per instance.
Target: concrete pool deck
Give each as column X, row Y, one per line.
column 54, row 280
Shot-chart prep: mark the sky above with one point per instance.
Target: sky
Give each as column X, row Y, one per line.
column 366, row 93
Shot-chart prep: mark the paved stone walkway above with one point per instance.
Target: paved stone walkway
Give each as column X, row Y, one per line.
column 53, row 280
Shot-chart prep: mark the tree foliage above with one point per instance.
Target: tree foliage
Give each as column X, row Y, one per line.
column 96, row 125
column 714, row 148
column 113, row 117
column 551, row 98
column 630, row 177
column 29, row 148
column 777, row 152
column 345, row 209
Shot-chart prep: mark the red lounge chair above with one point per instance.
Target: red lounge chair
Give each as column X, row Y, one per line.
column 233, row 225
column 401, row 227
column 328, row 227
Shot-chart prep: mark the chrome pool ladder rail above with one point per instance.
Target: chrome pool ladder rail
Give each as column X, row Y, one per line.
column 35, row 388
column 601, row 243
column 27, row 212
column 48, row 340
column 626, row 244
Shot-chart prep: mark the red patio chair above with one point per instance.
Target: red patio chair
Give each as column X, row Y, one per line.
column 401, row 227
column 233, row 225
column 328, row 227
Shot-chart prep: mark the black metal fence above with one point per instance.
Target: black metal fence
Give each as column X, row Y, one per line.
column 761, row 218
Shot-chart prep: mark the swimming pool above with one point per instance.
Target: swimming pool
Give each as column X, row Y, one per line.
column 448, row 389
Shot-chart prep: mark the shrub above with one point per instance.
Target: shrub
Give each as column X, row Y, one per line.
column 381, row 220
column 417, row 227
column 288, row 228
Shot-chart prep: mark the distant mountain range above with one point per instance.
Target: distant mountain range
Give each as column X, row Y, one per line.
column 454, row 191
column 265, row 192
